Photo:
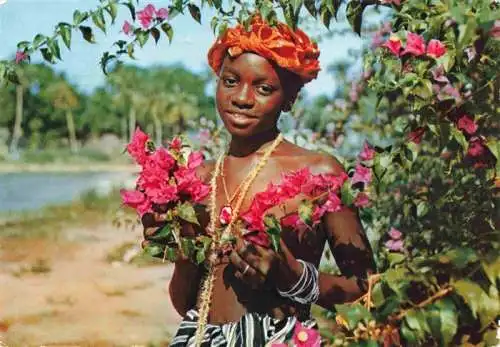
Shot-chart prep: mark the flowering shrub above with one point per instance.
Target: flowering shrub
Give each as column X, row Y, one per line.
column 168, row 183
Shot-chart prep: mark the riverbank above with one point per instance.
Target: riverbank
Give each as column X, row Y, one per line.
column 7, row 167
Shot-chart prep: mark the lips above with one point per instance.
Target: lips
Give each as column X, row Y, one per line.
column 239, row 119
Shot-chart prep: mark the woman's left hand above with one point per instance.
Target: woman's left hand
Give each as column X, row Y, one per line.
column 256, row 265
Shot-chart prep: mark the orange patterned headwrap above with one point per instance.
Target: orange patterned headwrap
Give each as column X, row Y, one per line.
column 291, row 50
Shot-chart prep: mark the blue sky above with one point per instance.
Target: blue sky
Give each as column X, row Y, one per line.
column 23, row 19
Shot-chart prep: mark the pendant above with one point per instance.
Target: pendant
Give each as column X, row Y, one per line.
column 226, row 213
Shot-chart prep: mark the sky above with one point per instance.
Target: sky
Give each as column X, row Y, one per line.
column 22, row 19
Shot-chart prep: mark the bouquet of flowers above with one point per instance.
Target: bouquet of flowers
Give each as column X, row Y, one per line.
column 168, row 183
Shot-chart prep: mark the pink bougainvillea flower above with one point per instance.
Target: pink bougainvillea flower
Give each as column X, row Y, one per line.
column 198, row 190
column 495, row 30
column 137, row 146
column 195, row 159
column 435, row 48
column 258, row 238
column 21, row 56
column 394, row 245
column 467, row 124
column 416, row 135
column 333, row 203
column 127, row 28
column 446, row 92
column 415, row 45
column 395, row 2
column 132, row 198
column 394, row 45
column 361, row 174
column 225, row 215
column 438, row 74
column 146, row 16
column 367, row 153
column 305, row 337
column 162, row 13
column 175, row 144
column 361, row 200
column 395, row 234
column 163, row 159
column 279, row 344
column 476, row 147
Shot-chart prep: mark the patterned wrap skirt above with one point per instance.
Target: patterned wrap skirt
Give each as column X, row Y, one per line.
column 252, row 330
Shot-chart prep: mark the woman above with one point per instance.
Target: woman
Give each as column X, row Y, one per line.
column 256, row 297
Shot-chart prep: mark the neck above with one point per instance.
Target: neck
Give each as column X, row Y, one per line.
column 244, row 146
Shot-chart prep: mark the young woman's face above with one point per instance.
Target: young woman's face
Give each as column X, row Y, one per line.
column 250, row 95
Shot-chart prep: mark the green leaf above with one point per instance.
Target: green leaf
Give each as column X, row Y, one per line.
column 187, row 212
column 47, row 55
column 23, row 45
column 195, row 12
column 325, row 15
column 106, row 58
column 353, row 313
column 494, row 147
column 154, row 250
column 355, row 15
column 481, row 305
column 112, row 9
column 333, row 6
column 213, row 23
column 167, row 29
column 53, row 45
column 142, row 37
column 65, row 31
column 449, row 320
column 39, row 40
column 347, row 194
column 306, row 211
column 310, row 6
column 79, row 17
column 492, row 270
column 87, row 33
column 296, row 4
column 273, row 229
column 417, row 322
column 156, row 34
column 130, row 50
column 12, row 76
column 99, row 21
column 459, row 137
column 131, row 8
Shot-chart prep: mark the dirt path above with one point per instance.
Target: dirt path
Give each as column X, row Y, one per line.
column 67, row 294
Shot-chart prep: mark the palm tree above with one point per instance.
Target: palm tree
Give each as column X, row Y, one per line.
column 65, row 99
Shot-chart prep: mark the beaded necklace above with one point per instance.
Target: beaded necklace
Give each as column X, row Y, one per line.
column 208, row 283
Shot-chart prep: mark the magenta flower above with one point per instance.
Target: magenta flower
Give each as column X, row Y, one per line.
column 438, row 74
column 361, row 200
column 305, row 337
column 395, row 234
column 394, row 2
column 361, row 174
column 415, row 45
column 127, row 28
column 20, row 56
column 394, row 45
column 435, row 48
column 368, row 153
column 175, row 144
column 394, row 245
column 225, row 215
column 162, row 13
column 467, row 124
column 416, row 135
column 146, row 16
column 476, row 147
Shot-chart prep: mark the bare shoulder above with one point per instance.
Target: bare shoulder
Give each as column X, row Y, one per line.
column 316, row 161
column 204, row 171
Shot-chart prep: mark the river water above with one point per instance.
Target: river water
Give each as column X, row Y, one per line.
column 30, row 191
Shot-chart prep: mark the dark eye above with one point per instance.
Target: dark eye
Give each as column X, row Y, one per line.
column 229, row 81
column 265, row 89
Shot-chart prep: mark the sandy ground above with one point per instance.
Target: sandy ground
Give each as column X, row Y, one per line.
column 71, row 296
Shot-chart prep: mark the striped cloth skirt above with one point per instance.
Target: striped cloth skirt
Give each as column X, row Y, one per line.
column 252, row 330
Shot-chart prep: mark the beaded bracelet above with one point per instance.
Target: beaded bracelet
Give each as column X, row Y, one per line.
column 306, row 290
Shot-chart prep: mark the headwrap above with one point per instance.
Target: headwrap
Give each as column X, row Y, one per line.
column 291, row 50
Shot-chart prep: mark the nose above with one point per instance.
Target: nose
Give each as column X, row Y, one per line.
column 243, row 97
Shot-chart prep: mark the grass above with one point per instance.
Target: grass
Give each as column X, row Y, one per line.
column 118, row 254
column 90, row 209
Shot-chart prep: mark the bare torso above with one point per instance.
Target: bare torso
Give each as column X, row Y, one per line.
column 232, row 298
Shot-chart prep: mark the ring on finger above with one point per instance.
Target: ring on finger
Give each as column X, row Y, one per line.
column 245, row 269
